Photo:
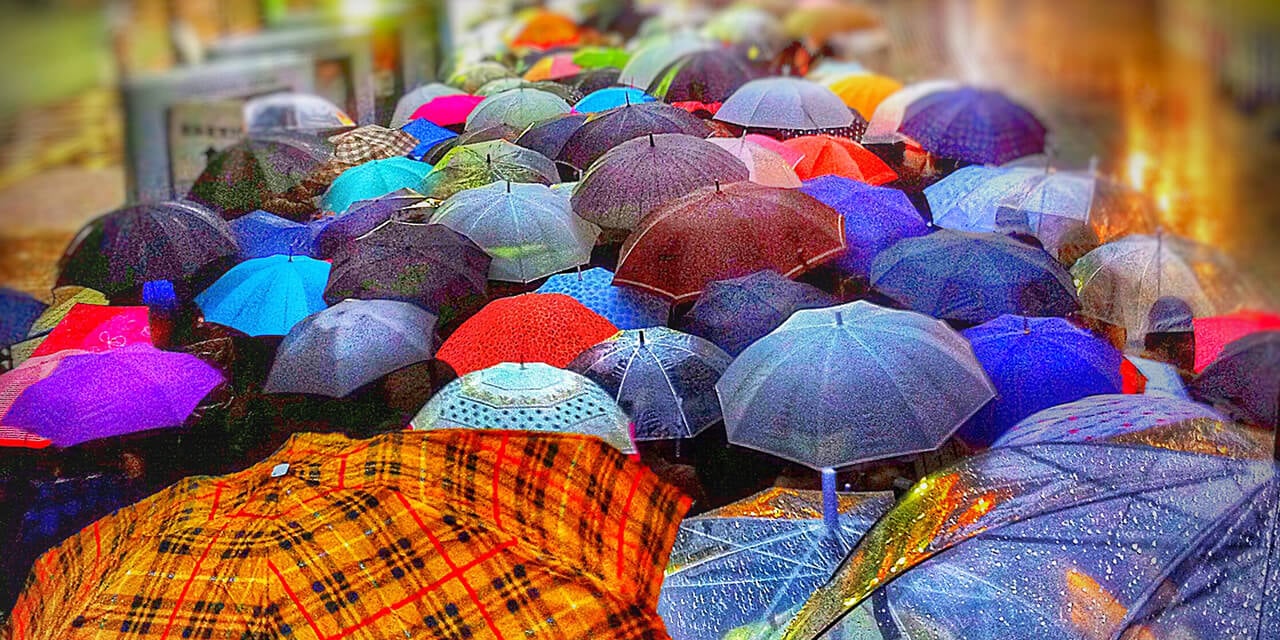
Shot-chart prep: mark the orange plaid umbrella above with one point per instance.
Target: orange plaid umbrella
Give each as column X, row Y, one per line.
column 428, row 534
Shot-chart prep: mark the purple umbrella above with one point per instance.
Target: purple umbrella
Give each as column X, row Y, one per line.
column 875, row 218
column 117, row 392
column 609, row 129
column 702, row 76
column 638, row 175
column 734, row 313
column 1244, row 380
column 974, row 125
column 549, row 136
column 362, row 217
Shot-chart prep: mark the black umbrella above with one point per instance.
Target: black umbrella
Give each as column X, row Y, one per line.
column 703, row 76
column 1244, row 381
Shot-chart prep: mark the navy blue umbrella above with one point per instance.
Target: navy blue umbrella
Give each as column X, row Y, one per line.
column 974, row 125
column 1244, row 381
column 17, row 311
column 875, row 218
column 736, row 312
column 428, row 133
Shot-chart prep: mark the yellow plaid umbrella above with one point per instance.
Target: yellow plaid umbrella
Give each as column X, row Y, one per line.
column 863, row 92
column 439, row 534
column 63, row 299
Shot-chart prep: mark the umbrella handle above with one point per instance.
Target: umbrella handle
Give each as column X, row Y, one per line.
column 830, row 503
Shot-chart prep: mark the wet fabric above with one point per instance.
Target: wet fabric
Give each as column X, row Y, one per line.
column 625, row 307
column 974, row 125
column 266, row 296
column 736, row 312
column 1244, row 381
column 875, row 218
column 244, row 176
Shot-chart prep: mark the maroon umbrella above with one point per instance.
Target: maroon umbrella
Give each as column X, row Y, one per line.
column 608, row 129
column 644, row 173
column 706, row 76
column 722, row 232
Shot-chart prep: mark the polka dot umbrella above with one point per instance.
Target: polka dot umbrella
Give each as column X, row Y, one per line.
column 625, row 307
column 974, row 125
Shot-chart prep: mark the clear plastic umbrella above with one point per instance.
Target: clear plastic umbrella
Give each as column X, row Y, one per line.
column 516, row 108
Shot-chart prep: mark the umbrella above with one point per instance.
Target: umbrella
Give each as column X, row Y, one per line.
column 549, row 136
column 533, row 327
column 884, row 122
column 242, row 177
column 601, row 57
column 562, row 91
column 64, row 299
column 642, row 174
column 556, row 66
column 625, row 307
column 471, row 77
column 18, row 310
column 17, row 380
column 1034, row 364
column 1066, row 541
column 863, row 92
column 973, row 125
column 542, row 29
column 433, row 534
column 362, row 217
column 528, row 229
column 429, row 265
column 488, row 134
column 1244, row 380
column 847, row 384
column 765, row 164
column 818, row 21
column 170, row 240
column 827, row 155
column 785, row 103
column 612, row 98
column 591, row 80
column 260, row 234
column 750, row 563
column 604, row 131
column 448, row 111
column 746, row 25
column 370, row 142
column 1213, row 334
column 349, row 345
column 718, row 232
column 827, row 70
column 97, row 328
column 710, row 75
column 266, row 296
column 969, row 277
column 664, row 379
column 648, row 61
column 277, row 112
column 735, row 313
column 875, row 218
column 475, row 165
column 527, row 397
column 410, row 102
column 121, row 391
column 516, row 108
column 373, row 179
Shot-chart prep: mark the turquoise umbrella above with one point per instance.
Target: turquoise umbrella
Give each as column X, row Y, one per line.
column 266, row 296
column 372, row 180
column 612, row 98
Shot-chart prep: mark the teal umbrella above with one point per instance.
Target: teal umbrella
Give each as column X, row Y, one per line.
column 266, row 296
column 372, row 180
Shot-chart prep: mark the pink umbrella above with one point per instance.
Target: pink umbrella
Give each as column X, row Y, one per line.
column 765, row 165
column 97, row 328
column 13, row 383
column 449, row 110
column 1213, row 334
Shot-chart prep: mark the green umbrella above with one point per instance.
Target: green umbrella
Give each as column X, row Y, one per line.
column 598, row 57
column 475, row 165
column 473, row 76
column 516, row 108
column 494, row 87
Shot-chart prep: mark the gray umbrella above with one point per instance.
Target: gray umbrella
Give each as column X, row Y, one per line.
column 785, row 103
column 516, row 108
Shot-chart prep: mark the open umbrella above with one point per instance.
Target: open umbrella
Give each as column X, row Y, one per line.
column 601, row 57
column 542, row 29
column 785, row 103
column 472, row 76
column 439, row 534
column 702, row 76
column 735, row 313
column 1244, row 380
column 664, row 379
column 644, row 173
column 411, row 101
column 648, row 61
column 875, row 218
column 373, row 179
column 448, row 110
column 612, row 98
column 863, row 92
column 64, row 299
column 562, row 91
column 244, row 176
column 266, row 296
column 604, row 131
column 556, row 66
column 296, row 112
column 747, row 26
column 260, row 234
column 428, row 134
column 549, row 136
column 625, row 307
column 97, row 328
column 884, row 122
column 362, row 217
column 819, row 21
column 527, row 397
column 18, row 310
column 533, row 327
column 1215, row 333
column 368, row 143
column 475, row 165
column 728, row 231
column 488, row 134
column 516, row 108
column 765, row 162
column 974, row 125
column 823, row 155
column 973, row 278
column 17, row 380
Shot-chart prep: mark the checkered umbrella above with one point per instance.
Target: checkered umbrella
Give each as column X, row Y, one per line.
column 370, row 142
column 442, row 534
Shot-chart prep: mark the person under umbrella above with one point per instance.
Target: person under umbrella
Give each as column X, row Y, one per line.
column 736, row 312
column 612, row 98
column 266, row 296
column 625, row 307
column 863, row 92
column 97, row 328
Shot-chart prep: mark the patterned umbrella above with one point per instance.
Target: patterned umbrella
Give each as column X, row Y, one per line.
column 549, row 136
column 837, row 386
column 429, row 265
column 1244, row 381
column 293, row 112
column 625, row 307
column 119, row 251
column 611, row 98
column 516, row 108
column 475, row 165
column 448, row 111
column 370, row 142
column 410, row 102
column 785, row 103
column 242, row 177
column 973, row 277
column 1214, row 334
column 747, row 566
column 18, row 310
column 974, row 125
column 765, row 165
column 702, row 76
column 266, row 296
column 126, row 390
column 374, row 179
column 665, row 380
column 735, row 313
column 17, row 380
column 642, row 174
column 527, row 397
column 863, row 92
column 718, row 232
column 64, row 299
column 445, row 534
column 260, row 234
column 823, row 155
column 883, row 124
column 875, row 218
column 97, row 328
column 604, row 131
column 362, row 217
column 533, row 327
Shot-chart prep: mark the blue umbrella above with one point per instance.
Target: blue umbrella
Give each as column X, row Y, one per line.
column 261, row 234
column 735, row 313
column 974, row 125
column 625, row 307
column 371, row 180
column 1103, row 417
column 17, row 311
column 611, row 98
column 875, row 218
column 1036, row 363
column 664, row 379
column 428, row 133
column 1244, row 380
column 266, row 296
column 970, row 277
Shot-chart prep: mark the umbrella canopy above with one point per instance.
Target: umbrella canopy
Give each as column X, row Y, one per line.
column 785, row 103
column 542, row 29
column 488, row 134
column 648, row 61
column 823, row 155
column 516, row 108
column 18, row 310
column 549, row 136
column 974, row 125
column 471, row 77
column 278, row 112
column 664, row 379
column 562, row 91
column 1214, row 334
column 266, row 296
column 875, row 218
column 746, row 25
column 973, row 277
column 410, row 102
column 529, row 230
column 64, row 299
column 433, row 534
column 884, row 122
column 644, row 173
column 534, row 327
column 818, row 21
column 527, row 397
column 13, row 383
column 260, row 234
column 121, row 391
column 1244, row 381
column 702, row 76
column 766, row 165
column 625, row 307
column 242, row 177
column 747, row 565
column 863, row 92
column 612, row 98
column 449, row 110
column 1036, row 363
column 362, row 217
column 475, row 165
column 97, row 328
column 721, row 232
column 349, row 345
column 553, row 67
column 1122, row 418
column 1066, row 541
column 735, row 313
column 370, row 142
column 601, row 57
column 837, row 386
column 371, row 180
column 429, row 265
column 121, row 250
column 604, row 131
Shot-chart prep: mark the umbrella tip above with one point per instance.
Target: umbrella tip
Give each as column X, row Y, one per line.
column 651, row 139
column 839, row 318
column 642, row 337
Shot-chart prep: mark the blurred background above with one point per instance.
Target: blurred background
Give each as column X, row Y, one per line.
column 1180, row 98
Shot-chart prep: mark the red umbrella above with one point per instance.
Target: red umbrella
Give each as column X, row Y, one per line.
column 722, row 232
column 1214, row 334
column 448, row 110
column 827, row 155
column 533, row 327
column 93, row 327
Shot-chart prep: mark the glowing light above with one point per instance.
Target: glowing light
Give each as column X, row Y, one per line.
column 1137, row 165
column 359, row 9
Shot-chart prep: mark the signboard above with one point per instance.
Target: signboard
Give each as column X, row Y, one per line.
column 197, row 131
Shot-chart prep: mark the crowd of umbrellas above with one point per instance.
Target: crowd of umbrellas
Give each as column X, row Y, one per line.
column 906, row 376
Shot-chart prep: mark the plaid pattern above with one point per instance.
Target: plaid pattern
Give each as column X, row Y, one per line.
column 371, row 142
column 441, row 534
